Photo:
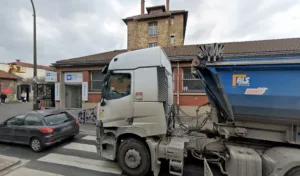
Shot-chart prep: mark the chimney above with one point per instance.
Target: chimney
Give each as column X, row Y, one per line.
column 168, row 5
column 142, row 7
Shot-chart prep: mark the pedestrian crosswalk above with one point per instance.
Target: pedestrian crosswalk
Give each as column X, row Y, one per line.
column 76, row 158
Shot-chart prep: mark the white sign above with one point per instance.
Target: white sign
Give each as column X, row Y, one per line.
column 50, row 76
column 57, row 91
column 85, row 88
column 256, row 91
column 73, row 77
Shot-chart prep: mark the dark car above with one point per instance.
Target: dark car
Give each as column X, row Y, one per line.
column 39, row 128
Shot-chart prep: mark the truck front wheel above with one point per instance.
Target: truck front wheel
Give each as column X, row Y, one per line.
column 133, row 157
column 293, row 172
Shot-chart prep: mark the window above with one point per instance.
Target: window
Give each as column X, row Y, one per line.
column 17, row 120
column 119, row 85
column 173, row 79
column 57, row 119
column 31, row 120
column 172, row 39
column 191, row 84
column 154, row 44
column 96, row 81
column 152, row 29
column 172, row 20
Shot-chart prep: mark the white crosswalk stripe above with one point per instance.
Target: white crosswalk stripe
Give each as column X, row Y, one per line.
column 30, row 172
column 80, row 154
column 82, row 147
column 97, row 165
column 90, row 138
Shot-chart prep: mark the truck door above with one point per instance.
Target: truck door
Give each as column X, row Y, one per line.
column 118, row 99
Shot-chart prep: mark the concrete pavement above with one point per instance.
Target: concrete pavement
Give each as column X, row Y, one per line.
column 7, row 162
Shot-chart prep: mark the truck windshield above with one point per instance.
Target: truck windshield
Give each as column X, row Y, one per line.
column 119, row 85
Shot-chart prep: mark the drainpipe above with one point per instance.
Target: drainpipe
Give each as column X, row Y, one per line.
column 178, row 83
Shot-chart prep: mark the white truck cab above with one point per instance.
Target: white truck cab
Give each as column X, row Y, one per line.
column 136, row 94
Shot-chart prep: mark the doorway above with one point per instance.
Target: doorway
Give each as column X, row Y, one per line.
column 73, row 96
column 26, row 89
column 45, row 92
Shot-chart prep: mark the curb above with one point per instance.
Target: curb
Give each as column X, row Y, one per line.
column 14, row 162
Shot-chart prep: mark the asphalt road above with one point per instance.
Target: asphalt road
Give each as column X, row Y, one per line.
column 10, row 110
column 75, row 157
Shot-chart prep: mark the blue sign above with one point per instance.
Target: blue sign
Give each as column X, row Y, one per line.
column 73, row 77
column 69, row 77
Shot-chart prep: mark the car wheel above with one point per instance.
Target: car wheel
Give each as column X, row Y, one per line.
column 133, row 157
column 36, row 144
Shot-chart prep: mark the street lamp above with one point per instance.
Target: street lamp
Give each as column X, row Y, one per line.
column 35, row 105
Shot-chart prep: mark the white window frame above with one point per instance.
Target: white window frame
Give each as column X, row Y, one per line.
column 152, row 29
column 152, row 44
column 172, row 39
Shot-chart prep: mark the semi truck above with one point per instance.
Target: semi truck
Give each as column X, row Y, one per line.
column 252, row 128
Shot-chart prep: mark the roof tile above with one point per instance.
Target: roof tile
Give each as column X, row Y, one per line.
column 6, row 75
column 24, row 64
column 232, row 48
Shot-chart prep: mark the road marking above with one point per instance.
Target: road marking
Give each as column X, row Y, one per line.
column 81, row 147
column 84, row 163
column 30, row 172
column 90, row 138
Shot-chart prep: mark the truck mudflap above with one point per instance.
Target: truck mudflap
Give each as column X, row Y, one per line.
column 207, row 170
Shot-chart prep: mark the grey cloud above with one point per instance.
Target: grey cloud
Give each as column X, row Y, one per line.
column 62, row 33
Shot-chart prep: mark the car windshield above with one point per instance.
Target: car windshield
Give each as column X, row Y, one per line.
column 56, row 119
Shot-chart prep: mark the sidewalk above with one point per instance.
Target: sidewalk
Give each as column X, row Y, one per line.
column 7, row 162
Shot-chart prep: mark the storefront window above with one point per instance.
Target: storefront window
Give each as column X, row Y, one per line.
column 191, row 84
column 96, row 81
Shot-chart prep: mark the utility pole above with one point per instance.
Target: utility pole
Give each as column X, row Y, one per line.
column 35, row 105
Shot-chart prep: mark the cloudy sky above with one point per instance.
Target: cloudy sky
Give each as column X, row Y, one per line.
column 73, row 28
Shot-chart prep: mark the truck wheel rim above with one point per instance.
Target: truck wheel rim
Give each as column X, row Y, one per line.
column 133, row 158
column 35, row 144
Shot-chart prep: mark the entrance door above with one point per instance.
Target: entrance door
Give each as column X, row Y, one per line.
column 26, row 88
column 73, row 96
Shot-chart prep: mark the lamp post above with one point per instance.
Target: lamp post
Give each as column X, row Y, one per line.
column 35, row 105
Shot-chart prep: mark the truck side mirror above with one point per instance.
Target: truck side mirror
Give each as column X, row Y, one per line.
column 104, row 70
column 102, row 102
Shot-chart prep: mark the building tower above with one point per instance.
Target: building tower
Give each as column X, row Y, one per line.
column 160, row 26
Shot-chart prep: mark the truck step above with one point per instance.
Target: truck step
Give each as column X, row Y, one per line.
column 109, row 141
column 176, row 167
column 110, row 131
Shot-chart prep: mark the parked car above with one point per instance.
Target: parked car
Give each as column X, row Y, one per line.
column 39, row 128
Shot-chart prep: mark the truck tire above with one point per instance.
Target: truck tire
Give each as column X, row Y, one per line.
column 133, row 157
column 293, row 172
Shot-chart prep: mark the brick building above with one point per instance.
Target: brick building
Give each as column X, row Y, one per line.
column 159, row 27
column 188, row 92
column 8, row 84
